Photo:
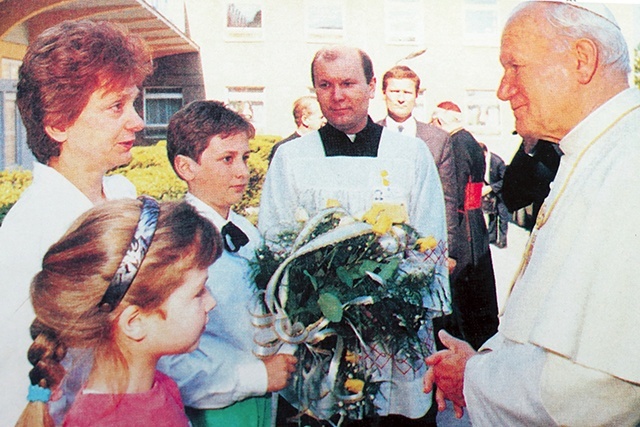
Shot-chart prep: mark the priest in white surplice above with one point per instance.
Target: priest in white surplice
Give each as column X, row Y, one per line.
column 567, row 351
column 355, row 162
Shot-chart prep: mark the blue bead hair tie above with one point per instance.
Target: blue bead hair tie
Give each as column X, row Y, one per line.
column 38, row 394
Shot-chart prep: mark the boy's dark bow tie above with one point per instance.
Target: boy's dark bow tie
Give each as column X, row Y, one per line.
column 233, row 237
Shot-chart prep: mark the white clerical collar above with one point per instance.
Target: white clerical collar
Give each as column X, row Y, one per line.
column 409, row 126
column 207, row 211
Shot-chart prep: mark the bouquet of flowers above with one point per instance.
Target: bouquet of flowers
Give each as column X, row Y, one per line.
column 337, row 289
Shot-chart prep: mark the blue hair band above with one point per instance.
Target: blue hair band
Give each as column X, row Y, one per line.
column 38, row 394
column 130, row 264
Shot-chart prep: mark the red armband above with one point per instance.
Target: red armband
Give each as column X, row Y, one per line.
column 473, row 196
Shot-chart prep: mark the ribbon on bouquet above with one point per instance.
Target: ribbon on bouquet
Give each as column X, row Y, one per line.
column 313, row 392
column 315, row 389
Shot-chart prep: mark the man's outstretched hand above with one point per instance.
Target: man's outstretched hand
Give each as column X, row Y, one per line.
column 447, row 372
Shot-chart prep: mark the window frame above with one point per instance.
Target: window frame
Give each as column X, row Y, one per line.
column 253, row 97
column 159, row 130
column 324, row 35
column 480, row 103
column 243, row 34
column 418, row 26
column 475, row 38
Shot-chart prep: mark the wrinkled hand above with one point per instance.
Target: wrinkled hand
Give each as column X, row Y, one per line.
column 447, row 372
column 279, row 370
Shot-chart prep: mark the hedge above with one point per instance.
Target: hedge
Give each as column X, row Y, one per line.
column 151, row 173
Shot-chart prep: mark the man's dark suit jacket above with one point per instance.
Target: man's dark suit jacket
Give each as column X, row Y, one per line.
column 527, row 178
column 496, row 174
column 279, row 143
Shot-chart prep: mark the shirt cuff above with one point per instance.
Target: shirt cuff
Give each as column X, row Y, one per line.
column 252, row 379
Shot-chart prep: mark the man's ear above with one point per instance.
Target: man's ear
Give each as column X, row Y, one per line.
column 56, row 133
column 372, row 88
column 132, row 323
column 305, row 120
column 186, row 167
column 586, row 53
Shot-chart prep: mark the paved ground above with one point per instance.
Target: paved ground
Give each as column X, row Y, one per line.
column 505, row 264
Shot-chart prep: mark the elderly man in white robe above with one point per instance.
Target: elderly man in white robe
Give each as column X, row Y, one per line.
column 355, row 162
column 567, row 348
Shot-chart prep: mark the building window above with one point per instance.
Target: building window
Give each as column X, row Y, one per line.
column 172, row 10
column 159, row 105
column 9, row 128
column 244, row 20
column 483, row 112
column 324, row 21
column 481, row 22
column 404, row 22
column 10, row 69
column 248, row 101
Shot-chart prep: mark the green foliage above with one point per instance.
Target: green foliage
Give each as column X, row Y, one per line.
column 258, row 163
column 343, row 290
column 151, row 173
column 12, row 184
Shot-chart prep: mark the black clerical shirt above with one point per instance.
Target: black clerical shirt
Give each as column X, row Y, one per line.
column 337, row 143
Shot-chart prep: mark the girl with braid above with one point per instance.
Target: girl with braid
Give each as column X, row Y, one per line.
column 126, row 285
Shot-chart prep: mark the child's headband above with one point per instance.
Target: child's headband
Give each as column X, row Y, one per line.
column 132, row 260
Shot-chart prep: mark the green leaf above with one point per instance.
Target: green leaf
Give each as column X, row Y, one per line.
column 331, row 307
column 344, row 276
column 387, row 270
column 314, row 281
column 368, row 265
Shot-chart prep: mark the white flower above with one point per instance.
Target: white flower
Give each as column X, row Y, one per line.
column 301, row 215
column 389, row 244
column 346, row 220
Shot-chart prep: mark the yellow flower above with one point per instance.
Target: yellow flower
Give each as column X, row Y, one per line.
column 383, row 215
column 332, row 203
column 354, row 385
column 384, row 173
column 426, row 243
column 385, row 182
column 351, row 357
column 397, row 213
column 383, row 224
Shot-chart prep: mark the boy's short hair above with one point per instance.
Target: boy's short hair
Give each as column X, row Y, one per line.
column 192, row 127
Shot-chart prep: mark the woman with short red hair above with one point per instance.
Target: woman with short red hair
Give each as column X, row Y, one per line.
column 76, row 93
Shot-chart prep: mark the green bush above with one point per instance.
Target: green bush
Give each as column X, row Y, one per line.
column 12, row 184
column 151, row 173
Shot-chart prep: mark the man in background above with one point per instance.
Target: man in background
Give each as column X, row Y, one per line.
column 307, row 116
column 400, row 88
column 473, row 284
column 498, row 223
column 528, row 176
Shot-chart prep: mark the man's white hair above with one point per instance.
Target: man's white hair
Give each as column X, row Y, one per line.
column 574, row 22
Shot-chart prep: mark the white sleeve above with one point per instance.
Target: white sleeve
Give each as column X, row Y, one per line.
column 216, row 374
column 578, row 396
column 524, row 385
column 427, row 216
column 278, row 200
column 502, row 386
